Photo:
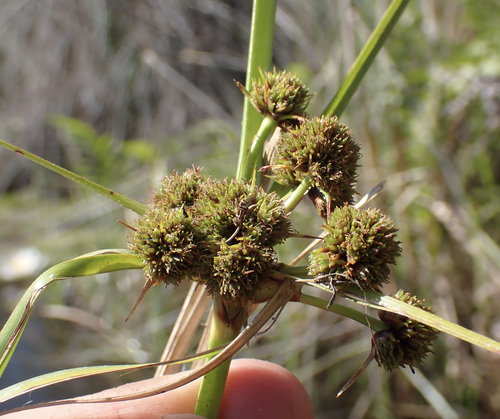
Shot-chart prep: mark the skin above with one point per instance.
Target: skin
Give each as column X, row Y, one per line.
column 254, row 389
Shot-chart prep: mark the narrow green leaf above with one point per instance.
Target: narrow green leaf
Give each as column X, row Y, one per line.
column 396, row 306
column 283, row 294
column 94, row 263
column 365, row 58
column 108, row 193
column 361, row 317
column 69, row 374
column 388, row 303
column 61, row 376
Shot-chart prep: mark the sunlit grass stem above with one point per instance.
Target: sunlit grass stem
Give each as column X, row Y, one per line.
column 260, row 53
column 254, row 157
column 375, row 324
column 225, row 326
column 259, row 56
column 365, row 58
column 108, row 193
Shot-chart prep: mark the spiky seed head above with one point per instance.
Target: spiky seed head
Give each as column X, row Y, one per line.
column 279, row 94
column 359, row 246
column 241, row 224
column 239, row 269
column 231, row 209
column 169, row 244
column 219, row 233
column 406, row 341
column 179, row 190
column 323, row 150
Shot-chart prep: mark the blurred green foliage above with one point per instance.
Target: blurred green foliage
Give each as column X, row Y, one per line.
column 98, row 156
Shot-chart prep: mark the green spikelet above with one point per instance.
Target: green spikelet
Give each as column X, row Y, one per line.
column 239, row 269
column 169, row 245
column 406, row 342
column 359, row 246
column 220, row 233
column 179, row 190
column 323, row 150
column 278, row 94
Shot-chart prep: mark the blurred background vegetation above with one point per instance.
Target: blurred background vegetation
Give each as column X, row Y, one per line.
column 126, row 92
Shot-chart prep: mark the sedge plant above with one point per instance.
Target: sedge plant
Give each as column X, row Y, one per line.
column 221, row 234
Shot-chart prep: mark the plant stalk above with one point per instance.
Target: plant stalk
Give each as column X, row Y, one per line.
column 374, row 324
column 296, row 196
column 254, row 158
column 227, row 322
column 365, row 58
column 260, row 52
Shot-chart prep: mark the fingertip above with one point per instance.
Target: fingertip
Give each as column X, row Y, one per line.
column 260, row 389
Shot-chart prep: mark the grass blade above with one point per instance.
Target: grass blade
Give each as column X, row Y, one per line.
column 385, row 302
column 285, row 291
column 69, row 374
column 102, row 261
column 365, row 58
column 108, row 193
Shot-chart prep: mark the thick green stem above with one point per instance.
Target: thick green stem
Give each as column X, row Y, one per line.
column 260, row 52
column 227, row 322
column 295, row 197
column 254, row 158
column 225, row 326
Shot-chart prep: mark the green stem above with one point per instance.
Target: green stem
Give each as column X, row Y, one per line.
column 296, row 271
column 227, row 322
column 365, row 58
column 374, row 324
column 260, row 52
column 259, row 56
column 294, row 198
column 254, row 157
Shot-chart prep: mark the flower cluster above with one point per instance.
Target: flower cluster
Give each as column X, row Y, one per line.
column 359, row 246
column 278, row 94
column 323, row 150
column 220, row 233
column 406, row 341
column 179, row 190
